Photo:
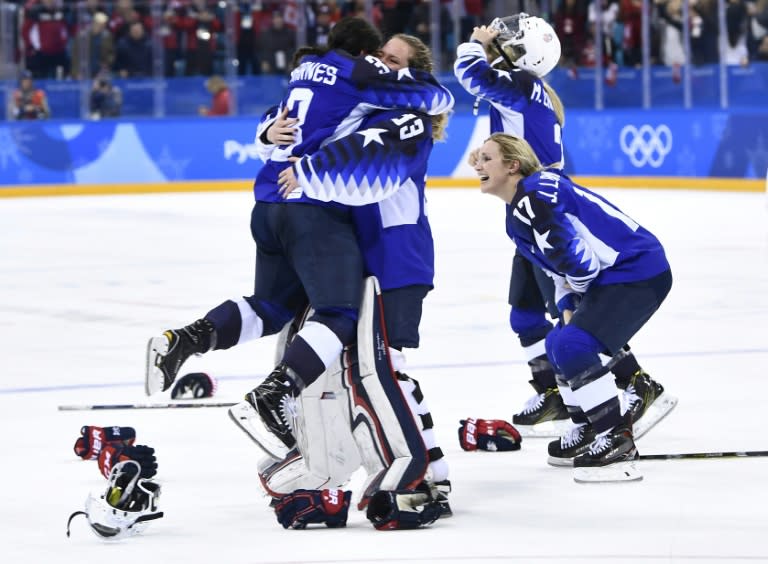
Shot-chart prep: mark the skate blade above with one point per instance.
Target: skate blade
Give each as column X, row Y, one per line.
column 248, row 420
column 658, row 410
column 560, row 462
column 546, row 429
column 154, row 380
column 618, row 472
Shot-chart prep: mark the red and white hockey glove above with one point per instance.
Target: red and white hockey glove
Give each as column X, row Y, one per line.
column 488, row 434
column 302, row 507
column 114, row 453
column 88, row 446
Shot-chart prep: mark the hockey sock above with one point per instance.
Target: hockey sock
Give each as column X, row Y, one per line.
column 530, row 326
column 570, row 401
column 626, row 367
column 236, row 322
column 596, row 393
column 311, row 351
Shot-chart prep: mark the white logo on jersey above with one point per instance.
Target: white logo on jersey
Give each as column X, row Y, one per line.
column 646, row 145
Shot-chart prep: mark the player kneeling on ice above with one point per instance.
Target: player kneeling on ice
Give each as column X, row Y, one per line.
column 611, row 275
column 358, row 413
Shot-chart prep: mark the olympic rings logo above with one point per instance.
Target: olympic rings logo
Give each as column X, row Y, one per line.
column 646, row 145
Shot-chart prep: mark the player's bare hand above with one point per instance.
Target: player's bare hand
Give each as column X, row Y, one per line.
column 287, row 181
column 484, row 35
column 283, row 130
column 474, row 157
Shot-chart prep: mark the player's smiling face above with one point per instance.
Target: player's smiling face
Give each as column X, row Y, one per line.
column 494, row 173
column 395, row 54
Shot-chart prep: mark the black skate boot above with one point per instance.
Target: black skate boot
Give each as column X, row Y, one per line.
column 273, row 399
column 167, row 353
column 610, row 458
column 646, row 402
column 574, row 442
column 541, row 413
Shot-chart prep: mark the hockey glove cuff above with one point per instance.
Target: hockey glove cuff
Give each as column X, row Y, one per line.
column 488, row 434
column 302, row 507
column 93, row 439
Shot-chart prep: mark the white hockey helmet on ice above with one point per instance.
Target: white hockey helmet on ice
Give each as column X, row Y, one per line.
column 528, row 43
column 126, row 506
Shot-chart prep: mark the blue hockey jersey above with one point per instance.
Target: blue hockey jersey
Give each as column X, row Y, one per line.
column 384, row 162
column 331, row 94
column 572, row 232
column 520, row 105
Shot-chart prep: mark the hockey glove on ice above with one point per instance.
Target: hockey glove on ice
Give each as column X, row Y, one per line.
column 404, row 509
column 195, row 385
column 488, row 434
column 296, row 510
column 144, row 455
column 88, row 446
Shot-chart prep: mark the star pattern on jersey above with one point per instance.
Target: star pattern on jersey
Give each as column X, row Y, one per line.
column 372, row 134
column 404, row 72
column 541, row 240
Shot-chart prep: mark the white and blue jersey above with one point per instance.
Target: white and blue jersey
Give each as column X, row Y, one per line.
column 520, row 105
column 572, row 232
column 384, row 162
column 330, row 95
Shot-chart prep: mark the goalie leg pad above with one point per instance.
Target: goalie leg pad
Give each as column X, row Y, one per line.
column 385, row 430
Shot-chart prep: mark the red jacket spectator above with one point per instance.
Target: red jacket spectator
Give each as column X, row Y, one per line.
column 45, row 34
column 220, row 103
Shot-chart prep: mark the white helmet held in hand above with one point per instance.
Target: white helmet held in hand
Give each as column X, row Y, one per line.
column 529, row 43
column 126, row 506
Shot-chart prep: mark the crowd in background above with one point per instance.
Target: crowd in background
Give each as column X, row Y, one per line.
column 64, row 38
column 100, row 39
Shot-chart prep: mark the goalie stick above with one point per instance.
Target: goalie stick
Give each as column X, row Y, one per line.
column 96, row 407
column 700, row 455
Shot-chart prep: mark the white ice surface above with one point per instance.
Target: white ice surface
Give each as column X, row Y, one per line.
column 85, row 281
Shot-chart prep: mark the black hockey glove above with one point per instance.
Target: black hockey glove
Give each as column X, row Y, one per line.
column 144, row 455
column 195, row 385
column 302, row 507
column 403, row 509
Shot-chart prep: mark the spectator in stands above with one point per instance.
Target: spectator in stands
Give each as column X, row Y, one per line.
column 758, row 30
column 123, row 15
column 609, row 12
column 45, row 34
column 317, row 34
column 420, row 25
column 29, row 102
column 106, row 99
column 173, row 30
column 220, row 102
column 277, row 45
column 631, row 16
column 93, row 50
column 570, row 23
column 704, row 32
column 395, row 15
column 133, row 57
column 671, row 42
column 201, row 38
column 736, row 21
column 248, row 17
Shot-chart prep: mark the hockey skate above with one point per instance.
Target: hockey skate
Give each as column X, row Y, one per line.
column 610, row 458
column 647, row 402
column 265, row 414
column 168, row 352
column 574, row 442
column 544, row 414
